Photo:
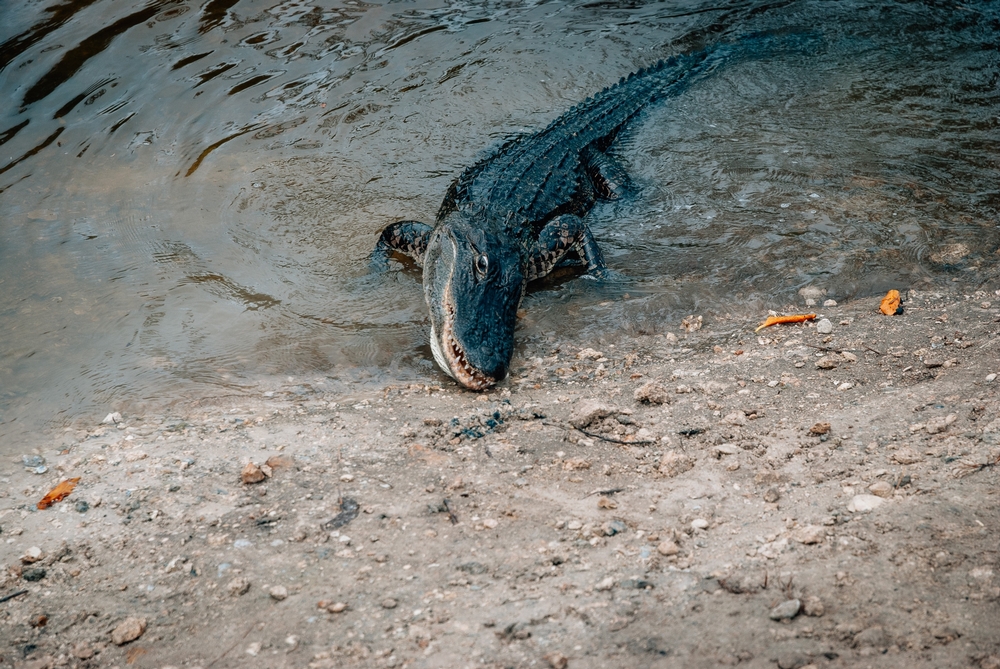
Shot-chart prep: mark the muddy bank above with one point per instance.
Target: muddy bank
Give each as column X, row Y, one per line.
column 708, row 497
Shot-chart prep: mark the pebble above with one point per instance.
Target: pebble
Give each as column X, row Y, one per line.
column 605, row 584
column 33, row 574
column 824, row 326
column 907, row 456
column 819, row 429
column 83, row 651
column 847, row 385
column 810, row 534
column 613, row 527
column 490, row 523
column 830, row 303
column 652, row 392
column 589, row 354
column 827, row 362
column 990, row 378
column 129, row 630
column 279, row 592
column 574, row 525
column 32, row 555
column 589, row 411
column 337, row 607
column 699, row 524
column 668, row 548
column 771, row 495
column 254, row 649
column 112, row 418
column 881, row 489
column 864, row 503
column 251, row 474
column 813, row 606
column 556, row 660
column 786, row 610
column 389, row 603
column 238, row 586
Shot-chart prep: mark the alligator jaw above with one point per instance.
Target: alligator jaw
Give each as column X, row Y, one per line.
column 451, row 358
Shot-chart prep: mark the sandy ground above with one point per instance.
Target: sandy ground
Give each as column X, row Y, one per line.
column 564, row 520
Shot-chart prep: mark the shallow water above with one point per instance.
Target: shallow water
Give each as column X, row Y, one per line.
column 189, row 191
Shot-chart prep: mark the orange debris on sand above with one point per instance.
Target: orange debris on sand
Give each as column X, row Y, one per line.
column 775, row 320
column 59, row 493
column 891, row 304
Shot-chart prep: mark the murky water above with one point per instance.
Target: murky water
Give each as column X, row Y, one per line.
column 189, row 190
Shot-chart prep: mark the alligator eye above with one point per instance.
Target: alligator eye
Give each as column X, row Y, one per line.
column 482, row 264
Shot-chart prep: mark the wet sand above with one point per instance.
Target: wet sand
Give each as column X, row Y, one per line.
column 780, row 499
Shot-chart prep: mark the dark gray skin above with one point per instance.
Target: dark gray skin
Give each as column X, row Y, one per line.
column 516, row 215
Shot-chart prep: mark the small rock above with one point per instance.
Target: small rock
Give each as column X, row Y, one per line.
column 389, row 603
column 238, row 586
column 873, row 636
column 939, row 424
column 673, row 463
column 735, row 418
column 129, row 630
column 848, row 356
column 820, row 429
column 827, row 362
column 613, row 527
column 847, row 385
column 604, row 502
column 112, row 419
column 32, row 555
column 589, row 354
column 991, row 662
column 824, row 326
column 699, row 524
column 490, row 523
column 668, row 548
column 881, row 489
column 864, row 503
column 279, row 592
column 83, row 651
column 772, row 495
column 253, row 650
column 773, row 549
column 33, row 574
column 573, row 464
column 990, row 378
column 605, row 584
column 829, row 303
column 574, row 525
column 786, row 610
column 813, row 606
column 337, row 607
column 810, row 534
column 691, row 323
column 907, row 456
column 652, row 392
column 556, row 660
column 589, row 411
column 251, row 474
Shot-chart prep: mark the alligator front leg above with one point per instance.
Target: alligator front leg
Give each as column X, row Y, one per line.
column 564, row 234
column 406, row 237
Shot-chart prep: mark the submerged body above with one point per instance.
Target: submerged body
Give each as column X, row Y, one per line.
column 516, row 215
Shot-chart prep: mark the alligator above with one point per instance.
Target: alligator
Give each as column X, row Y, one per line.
column 516, row 215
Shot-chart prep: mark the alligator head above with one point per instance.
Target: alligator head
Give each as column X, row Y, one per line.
column 473, row 284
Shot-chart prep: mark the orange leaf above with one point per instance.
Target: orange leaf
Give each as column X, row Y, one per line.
column 775, row 320
column 890, row 304
column 59, row 493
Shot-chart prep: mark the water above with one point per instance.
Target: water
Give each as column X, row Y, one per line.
column 188, row 191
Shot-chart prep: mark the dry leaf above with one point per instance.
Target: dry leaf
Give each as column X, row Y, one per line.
column 891, row 305
column 59, row 493
column 775, row 320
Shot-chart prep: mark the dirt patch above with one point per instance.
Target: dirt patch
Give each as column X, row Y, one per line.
column 707, row 498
